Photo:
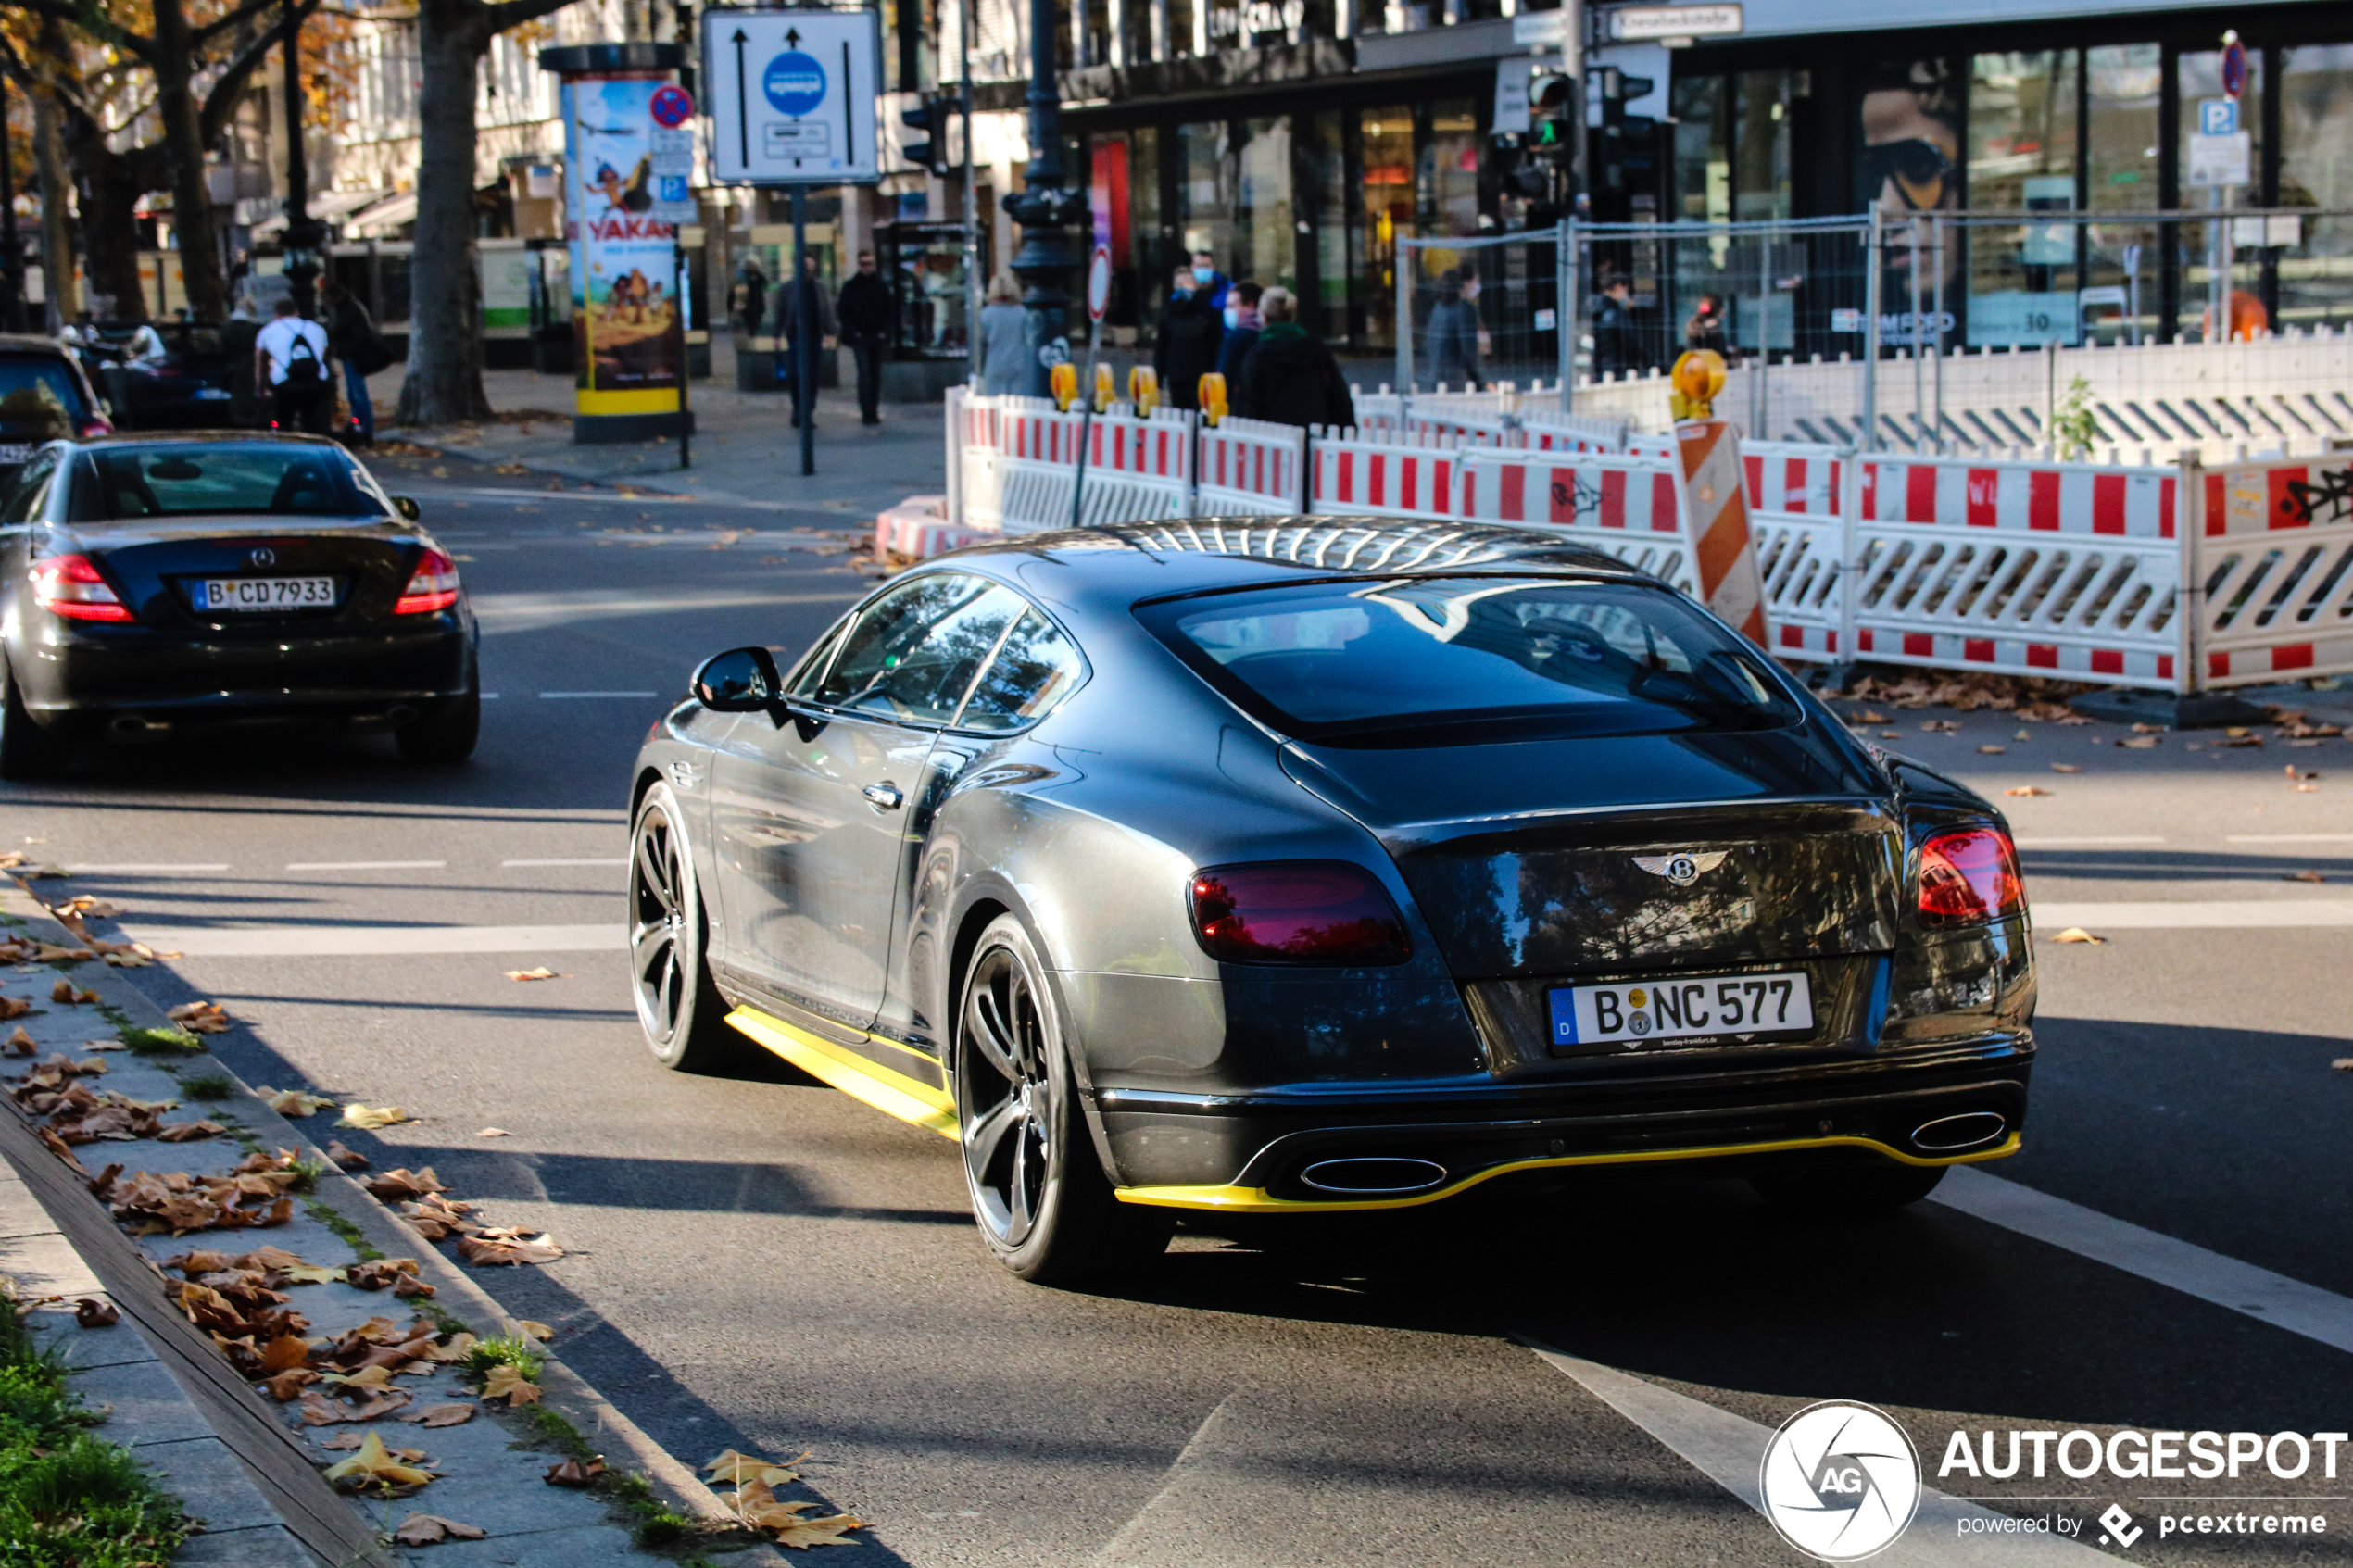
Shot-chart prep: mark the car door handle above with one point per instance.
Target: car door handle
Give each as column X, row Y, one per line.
column 884, row 795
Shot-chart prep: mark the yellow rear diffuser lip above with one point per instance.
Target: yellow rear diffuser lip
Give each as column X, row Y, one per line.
column 1236, row 1199
column 893, row 1094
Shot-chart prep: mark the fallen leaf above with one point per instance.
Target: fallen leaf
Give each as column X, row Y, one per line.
column 311, row 1274
column 2024, row 735
column 452, row 1414
column 2308, row 789
column 396, row 1184
column 357, row 1115
column 1940, row 726
column 572, row 1473
column 2077, row 933
column 2343, row 1064
column 539, row 1331
column 542, row 973
column 2065, row 767
column 2235, row 738
column 14, row 1007
column 375, row 1466
column 1890, row 735
column 1990, row 750
column 20, row 1042
column 366, row 1378
column 291, row 1103
column 285, row 1353
column 490, row 1248
column 2139, row 743
column 204, row 1017
column 494, row 1133
column 2159, row 729
column 348, row 1439
column 507, row 1383
column 2302, row 877
column 344, row 1157
column 93, row 1313
column 801, row 1534
column 430, row 1529
column 188, row 1132
column 2027, row 789
column 286, row 1385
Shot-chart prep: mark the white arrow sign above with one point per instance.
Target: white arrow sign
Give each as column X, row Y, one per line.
column 792, row 96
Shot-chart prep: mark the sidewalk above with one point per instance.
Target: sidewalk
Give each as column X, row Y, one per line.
column 746, row 451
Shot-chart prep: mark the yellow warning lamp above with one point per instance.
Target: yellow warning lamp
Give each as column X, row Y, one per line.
column 1212, row 397
column 1065, row 381
column 1143, row 388
column 1103, row 389
column 1698, row 376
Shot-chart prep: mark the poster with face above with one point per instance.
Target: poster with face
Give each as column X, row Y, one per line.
column 1910, row 114
column 629, row 155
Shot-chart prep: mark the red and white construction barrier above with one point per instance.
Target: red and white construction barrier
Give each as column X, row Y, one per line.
column 1352, row 473
column 2273, row 591
column 1250, row 467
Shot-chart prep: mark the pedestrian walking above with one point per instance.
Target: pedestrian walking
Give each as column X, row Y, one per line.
column 1001, row 368
column 867, row 315
column 1185, row 348
column 1213, row 285
column 1453, row 332
column 1706, row 328
column 755, row 297
column 806, row 310
column 290, row 357
column 237, row 336
column 351, row 334
column 1617, row 347
column 1242, row 321
column 1291, row 378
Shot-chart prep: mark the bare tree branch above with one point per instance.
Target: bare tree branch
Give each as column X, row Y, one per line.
column 220, row 98
column 92, row 22
column 200, row 36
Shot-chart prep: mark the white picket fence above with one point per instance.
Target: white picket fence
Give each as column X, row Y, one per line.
column 2173, row 577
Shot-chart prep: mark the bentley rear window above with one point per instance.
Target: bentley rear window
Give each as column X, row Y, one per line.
column 1327, row 659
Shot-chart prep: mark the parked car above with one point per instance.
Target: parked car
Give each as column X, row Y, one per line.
column 1280, row 867
column 150, row 586
column 188, row 387
column 44, row 397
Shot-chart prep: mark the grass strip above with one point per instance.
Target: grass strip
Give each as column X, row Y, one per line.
column 68, row 1499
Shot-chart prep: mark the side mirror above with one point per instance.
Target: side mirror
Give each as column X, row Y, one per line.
column 739, row 681
column 407, row 507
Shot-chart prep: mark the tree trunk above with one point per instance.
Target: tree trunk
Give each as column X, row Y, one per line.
column 183, row 151
column 111, row 186
column 443, row 381
column 56, row 240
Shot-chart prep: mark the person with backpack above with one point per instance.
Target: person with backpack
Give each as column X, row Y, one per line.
column 290, row 357
column 351, row 333
column 1291, row 378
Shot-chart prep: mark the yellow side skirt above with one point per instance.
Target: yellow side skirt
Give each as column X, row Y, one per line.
column 894, row 1093
column 1234, row 1199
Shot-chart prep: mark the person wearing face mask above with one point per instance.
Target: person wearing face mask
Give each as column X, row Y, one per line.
column 1210, row 280
column 1242, row 323
column 1191, row 334
column 1453, row 332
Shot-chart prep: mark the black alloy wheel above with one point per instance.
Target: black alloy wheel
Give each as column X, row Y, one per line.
column 27, row 751
column 681, row 1011
column 1044, row 1207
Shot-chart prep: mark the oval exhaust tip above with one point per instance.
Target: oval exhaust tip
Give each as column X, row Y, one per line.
column 1373, row 1176
column 1950, row 1134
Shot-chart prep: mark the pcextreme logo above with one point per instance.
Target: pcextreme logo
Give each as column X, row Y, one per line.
column 1840, row 1481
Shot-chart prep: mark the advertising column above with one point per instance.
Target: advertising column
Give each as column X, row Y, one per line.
column 628, row 162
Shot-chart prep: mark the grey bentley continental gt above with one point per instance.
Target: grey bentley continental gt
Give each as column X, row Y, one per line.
column 1280, row 866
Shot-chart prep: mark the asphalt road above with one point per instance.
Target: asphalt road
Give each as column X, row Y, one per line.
column 760, row 1262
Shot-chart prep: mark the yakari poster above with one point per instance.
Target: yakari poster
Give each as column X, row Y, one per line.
column 629, row 155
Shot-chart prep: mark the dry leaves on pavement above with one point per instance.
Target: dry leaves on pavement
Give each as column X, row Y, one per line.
column 147, row 1203
column 2077, row 933
column 572, row 1473
column 542, row 973
column 398, row 1274
column 508, row 1244
column 2027, row 789
column 19, row 1043
column 755, row 1502
column 2302, row 877
column 91, row 1313
column 396, row 1184
column 431, row 1529
column 2065, row 767
column 2138, row 742
column 291, row 1103
column 1990, row 750
column 375, row 1466
column 440, row 1216
column 344, row 1157
column 451, row 1415
column 202, row 1017
column 369, row 1117
column 506, row 1382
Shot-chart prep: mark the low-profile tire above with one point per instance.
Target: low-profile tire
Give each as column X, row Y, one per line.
column 681, row 1012
column 1859, row 1189
column 446, row 732
column 27, row 750
column 1039, row 1195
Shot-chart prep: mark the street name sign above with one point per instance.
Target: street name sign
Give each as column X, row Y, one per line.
column 1673, row 21
column 792, row 96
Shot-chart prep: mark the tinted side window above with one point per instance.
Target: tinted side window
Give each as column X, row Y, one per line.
column 912, row 654
column 803, row 678
column 32, row 486
column 1035, row 669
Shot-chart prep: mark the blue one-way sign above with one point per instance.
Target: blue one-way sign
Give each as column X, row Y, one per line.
column 791, row 95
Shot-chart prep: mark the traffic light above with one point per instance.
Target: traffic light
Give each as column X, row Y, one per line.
column 928, row 118
column 1552, row 116
column 1624, row 144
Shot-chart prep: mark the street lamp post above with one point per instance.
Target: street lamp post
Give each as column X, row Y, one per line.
column 11, row 248
column 304, row 236
column 1045, row 212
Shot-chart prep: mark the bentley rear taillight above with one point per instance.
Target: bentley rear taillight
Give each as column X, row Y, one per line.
column 433, row 587
column 1968, row 877
column 1297, row 913
column 70, row 586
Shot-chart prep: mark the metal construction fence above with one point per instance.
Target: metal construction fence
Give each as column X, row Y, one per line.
column 2175, row 576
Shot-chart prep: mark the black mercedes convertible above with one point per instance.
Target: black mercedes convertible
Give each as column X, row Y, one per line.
column 1300, row 865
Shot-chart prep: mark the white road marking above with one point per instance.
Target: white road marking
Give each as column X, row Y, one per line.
column 365, row 865
column 333, row 941
column 2288, row 838
column 1730, row 1450
column 2285, row 1303
column 2046, row 843
column 570, row 608
column 1145, row 1540
column 144, row 866
column 622, row 860
column 2216, row 914
column 599, row 694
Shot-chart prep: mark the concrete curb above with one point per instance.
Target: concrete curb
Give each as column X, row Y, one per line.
column 625, row 1445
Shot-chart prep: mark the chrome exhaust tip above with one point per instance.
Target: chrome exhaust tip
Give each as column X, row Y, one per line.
column 1373, row 1176
column 1953, row 1135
